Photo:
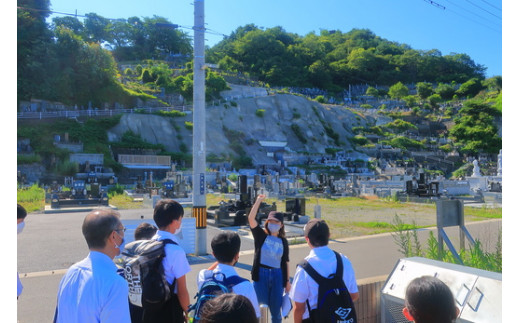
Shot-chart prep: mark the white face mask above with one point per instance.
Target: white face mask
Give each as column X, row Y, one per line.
column 178, row 231
column 273, row 228
column 20, row 226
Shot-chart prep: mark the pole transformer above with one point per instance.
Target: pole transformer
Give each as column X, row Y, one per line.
column 199, row 131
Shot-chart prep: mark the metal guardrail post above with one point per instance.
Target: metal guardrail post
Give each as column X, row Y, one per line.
column 264, row 310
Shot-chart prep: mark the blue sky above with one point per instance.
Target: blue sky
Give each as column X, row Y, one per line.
column 473, row 27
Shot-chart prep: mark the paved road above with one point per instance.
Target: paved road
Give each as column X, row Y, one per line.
column 50, row 243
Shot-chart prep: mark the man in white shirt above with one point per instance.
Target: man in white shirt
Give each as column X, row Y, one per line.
column 226, row 249
column 168, row 216
column 91, row 290
column 323, row 260
column 20, row 223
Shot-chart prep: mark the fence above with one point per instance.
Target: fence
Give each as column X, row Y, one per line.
column 368, row 306
column 74, row 114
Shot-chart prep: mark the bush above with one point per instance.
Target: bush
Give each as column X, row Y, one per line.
column 188, row 125
column 260, row 113
column 297, row 131
column 115, row 190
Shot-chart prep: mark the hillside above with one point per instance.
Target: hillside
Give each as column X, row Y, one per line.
column 241, row 124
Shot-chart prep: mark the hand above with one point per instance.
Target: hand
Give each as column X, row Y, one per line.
column 288, row 287
column 260, row 198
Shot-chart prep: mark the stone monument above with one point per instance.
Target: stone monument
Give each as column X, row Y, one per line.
column 476, row 169
column 499, row 164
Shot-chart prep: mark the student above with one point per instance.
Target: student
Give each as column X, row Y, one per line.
column 226, row 249
column 228, row 308
column 91, row 290
column 323, row 260
column 144, row 231
column 20, row 222
column 270, row 271
column 168, row 216
column 429, row 300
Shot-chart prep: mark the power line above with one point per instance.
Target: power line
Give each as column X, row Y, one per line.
column 499, row 9
column 484, row 10
column 471, row 12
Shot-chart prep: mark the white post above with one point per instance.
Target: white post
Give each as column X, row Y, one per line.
column 199, row 130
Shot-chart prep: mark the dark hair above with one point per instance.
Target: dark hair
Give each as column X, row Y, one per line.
column 22, row 213
column 166, row 211
column 225, row 246
column 318, row 232
column 228, row 308
column 429, row 300
column 144, row 231
column 98, row 225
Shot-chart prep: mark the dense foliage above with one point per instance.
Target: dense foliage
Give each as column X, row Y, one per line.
column 333, row 60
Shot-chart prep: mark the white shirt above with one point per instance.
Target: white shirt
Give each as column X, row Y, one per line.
column 323, row 260
column 175, row 262
column 20, row 286
column 245, row 288
column 92, row 291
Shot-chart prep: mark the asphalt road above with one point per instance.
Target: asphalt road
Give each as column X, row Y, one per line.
column 50, row 243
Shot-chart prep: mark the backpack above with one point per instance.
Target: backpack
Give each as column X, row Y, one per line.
column 334, row 301
column 144, row 273
column 216, row 285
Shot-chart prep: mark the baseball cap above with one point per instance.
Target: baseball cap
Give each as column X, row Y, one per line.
column 276, row 216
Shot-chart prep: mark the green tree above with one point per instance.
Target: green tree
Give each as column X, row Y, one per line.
column 34, row 50
column 424, row 90
column 372, row 91
column 400, row 125
column 398, row 91
column 469, row 88
column 446, row 91
column 475, row 129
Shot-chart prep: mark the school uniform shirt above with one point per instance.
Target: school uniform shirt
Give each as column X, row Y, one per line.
column 245, row 288
column 175, row 263
column 323, row 260
column 20, row 286
column 92, row 291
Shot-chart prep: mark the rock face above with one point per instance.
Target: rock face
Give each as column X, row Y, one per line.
column 283, row 116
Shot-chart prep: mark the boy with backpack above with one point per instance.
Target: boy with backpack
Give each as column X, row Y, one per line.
column 323, row 275
column 223, row 278
column 168, row 216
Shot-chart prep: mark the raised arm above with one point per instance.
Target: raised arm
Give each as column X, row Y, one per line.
column 254, row 210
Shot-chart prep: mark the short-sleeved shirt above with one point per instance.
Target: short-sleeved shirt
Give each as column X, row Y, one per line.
column 175, row 262
column 245, row 288
column 272, row 251
column 93, row 291
column 323, row 260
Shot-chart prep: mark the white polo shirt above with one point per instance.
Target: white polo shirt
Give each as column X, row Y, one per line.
column 245, row 288
column 323, row 260
column 175, row 262
column 92, row 291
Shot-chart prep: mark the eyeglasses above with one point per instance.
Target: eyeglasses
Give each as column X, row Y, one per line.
column 119, row 230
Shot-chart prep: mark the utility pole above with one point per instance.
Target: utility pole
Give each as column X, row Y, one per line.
column 199, row 131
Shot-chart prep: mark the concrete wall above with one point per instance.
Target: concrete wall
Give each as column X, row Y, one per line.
column 368, row 306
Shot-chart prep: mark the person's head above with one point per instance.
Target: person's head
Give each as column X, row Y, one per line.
column 274, row 224
column 226, row 247
column 144, row 231
column 429, row 300
column 317, row 233
column 104, row 231
column 20, row 222
column 167, row 215
column 22, row 213
column 228, row 308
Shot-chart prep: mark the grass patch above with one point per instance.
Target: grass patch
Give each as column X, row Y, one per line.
column 32, row 198
column 483, row 212
column 125, row 202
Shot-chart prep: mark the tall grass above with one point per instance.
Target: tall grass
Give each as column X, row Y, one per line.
column 410, row 246
column 32, row 198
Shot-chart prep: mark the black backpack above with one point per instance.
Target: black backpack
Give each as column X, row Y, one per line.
column 216, row 285
column 144, row 273
column 334, row 301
